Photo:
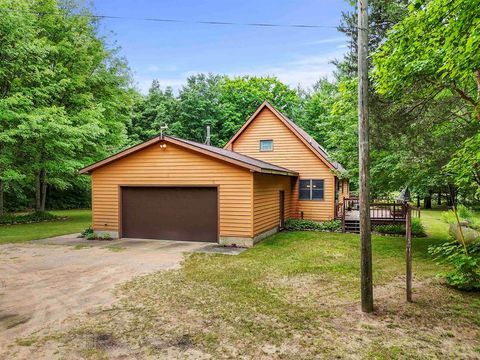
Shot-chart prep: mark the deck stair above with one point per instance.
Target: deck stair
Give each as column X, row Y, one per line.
column 352, row 226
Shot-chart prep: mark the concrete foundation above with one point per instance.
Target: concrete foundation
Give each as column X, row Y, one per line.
column 245, row 241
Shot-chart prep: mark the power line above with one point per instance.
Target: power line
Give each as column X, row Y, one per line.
column 166, row 20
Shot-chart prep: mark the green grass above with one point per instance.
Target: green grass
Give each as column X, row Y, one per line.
column 295, row 295
column 77, row 221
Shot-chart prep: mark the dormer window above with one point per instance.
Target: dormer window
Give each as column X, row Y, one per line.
column 266, row 145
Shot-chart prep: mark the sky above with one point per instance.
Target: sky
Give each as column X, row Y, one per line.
column 170, row 52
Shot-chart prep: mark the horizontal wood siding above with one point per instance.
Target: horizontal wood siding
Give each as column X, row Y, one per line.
column 344, row 193
column 290, row 152
column 266, row 200
column 174, row 166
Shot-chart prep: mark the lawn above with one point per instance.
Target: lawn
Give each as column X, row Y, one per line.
column 77, row 221
column 295, row 295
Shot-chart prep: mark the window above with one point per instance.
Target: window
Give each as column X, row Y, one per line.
column 266, row 145
column 311, row 190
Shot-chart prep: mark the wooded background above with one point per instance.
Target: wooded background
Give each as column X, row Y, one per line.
column 67, row 100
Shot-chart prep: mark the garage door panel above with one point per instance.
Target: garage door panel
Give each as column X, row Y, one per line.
column 170, row 213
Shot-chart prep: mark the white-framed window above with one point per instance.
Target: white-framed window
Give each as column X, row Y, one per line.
column 266, row 145
column 311, row 189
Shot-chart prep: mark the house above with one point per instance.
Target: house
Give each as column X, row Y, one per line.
column 176, row 189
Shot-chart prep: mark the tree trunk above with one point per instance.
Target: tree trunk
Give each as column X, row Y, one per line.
column 418, row 200
column 44, row 195
column 427, row 201
column 451, row 196
column 477, row 76
column 2, row 211
column 38, row 192
column 439, row 199
column 41, row 191
column 363, row 151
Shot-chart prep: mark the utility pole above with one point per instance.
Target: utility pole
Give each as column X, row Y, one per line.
column 363, row 157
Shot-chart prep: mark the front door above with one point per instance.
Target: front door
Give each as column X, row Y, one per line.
column 282, row 209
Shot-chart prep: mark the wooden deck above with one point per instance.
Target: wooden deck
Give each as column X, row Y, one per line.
column 380, row 213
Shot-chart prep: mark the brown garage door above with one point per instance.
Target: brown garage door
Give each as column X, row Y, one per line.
column 170, row 213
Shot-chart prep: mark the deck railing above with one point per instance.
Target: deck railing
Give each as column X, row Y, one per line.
column 380, row 212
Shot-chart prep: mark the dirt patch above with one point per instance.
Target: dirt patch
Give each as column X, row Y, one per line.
column 42, row 285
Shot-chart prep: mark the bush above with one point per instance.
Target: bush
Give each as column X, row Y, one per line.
column 466, row 267
column 92, row 235
column 86, row 232
column 106, row 236
column 399, row 229
column 38, row 216
column 464, row 214
column 309, row 225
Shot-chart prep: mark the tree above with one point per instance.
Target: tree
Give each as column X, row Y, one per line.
column 241, row 96
column 150, row 112
column 200, row 105
column 67, row 97
column 18, row 48
column 429, row 71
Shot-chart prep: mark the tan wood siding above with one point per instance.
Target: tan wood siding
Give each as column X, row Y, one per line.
column 343, row 193
column 266, row 200
column 289, row 152
column 174, row 166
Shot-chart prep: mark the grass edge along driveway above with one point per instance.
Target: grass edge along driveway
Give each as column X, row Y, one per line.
column 77, row 221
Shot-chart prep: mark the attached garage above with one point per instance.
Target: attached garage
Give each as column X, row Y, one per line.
column 174, row 189
column 169, row 213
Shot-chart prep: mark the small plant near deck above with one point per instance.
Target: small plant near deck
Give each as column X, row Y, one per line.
column 399, row 229
column 34, row 217
column 465, row 262
column 309, row 225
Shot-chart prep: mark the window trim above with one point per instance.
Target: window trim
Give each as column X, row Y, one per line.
column 260, row 145
column 311, row 189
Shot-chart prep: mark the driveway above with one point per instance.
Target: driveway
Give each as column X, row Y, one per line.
column 45, row 281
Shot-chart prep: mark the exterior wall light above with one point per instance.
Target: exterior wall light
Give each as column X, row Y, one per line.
column 163, row 146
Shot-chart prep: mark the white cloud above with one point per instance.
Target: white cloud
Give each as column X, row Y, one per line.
column 326, row 41
column 303, row 70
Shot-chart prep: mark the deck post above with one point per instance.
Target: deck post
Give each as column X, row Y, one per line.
column 408, row 251
column 343, row 215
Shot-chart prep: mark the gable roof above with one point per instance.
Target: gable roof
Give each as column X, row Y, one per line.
column 212, row 151
column 309, row 141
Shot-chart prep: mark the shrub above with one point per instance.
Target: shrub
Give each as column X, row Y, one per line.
column 466, row 267
column 106, row 236
column 86, row 232
column 464, row 215
column 399, row 229
column 91, row 236
column 298, row 224
column 38, row 216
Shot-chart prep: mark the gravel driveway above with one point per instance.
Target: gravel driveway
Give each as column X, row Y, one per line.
column 46, row 281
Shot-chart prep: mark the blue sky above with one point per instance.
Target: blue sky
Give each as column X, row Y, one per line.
column 170, row 52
